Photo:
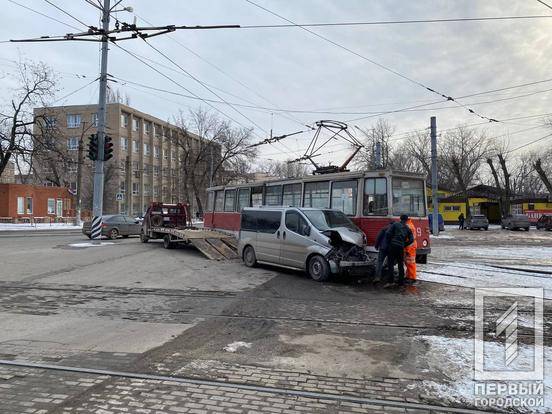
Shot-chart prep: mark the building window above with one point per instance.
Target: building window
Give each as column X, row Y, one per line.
column 73, row 143
column 135, row 189
column 147, row 169
column 122, row 187
column 135, row 146
column 135, row 166
column 73, row 187
column 20, row 205
column 72, row 168
column 135, row 124
column 156, row 191
column 29, row 205
column 123, row 166
column 124, row 144
column 165, row 154
column 59, row 207
column 51, row 206
column 147, row 189
column 95, row 120
column 147, row 127
column 124, row 120
column 156, row 151
column 73, row 121
column 146, row 149
column 50, row 122
column 156, row 170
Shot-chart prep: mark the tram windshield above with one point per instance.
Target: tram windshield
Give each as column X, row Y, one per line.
column 408, row 197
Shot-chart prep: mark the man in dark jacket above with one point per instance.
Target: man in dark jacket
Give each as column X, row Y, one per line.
column 398, row 237
column 382, row 247
column 461, row 220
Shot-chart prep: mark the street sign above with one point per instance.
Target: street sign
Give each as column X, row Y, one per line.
column 119, row 197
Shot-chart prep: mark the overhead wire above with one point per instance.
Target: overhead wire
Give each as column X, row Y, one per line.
column 44, row 15
column 545, row 4
column 67, row 13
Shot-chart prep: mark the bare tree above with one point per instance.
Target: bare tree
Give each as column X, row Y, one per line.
column 209, row 144
column 380, row 133
column 286, row 169
column 115, row 96
column 543, row 176
column 463, row 151
column 35, row 84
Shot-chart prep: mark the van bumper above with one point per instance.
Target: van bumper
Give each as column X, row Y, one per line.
column 358, row 268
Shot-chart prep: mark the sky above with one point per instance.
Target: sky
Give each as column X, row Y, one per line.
column 290, row 69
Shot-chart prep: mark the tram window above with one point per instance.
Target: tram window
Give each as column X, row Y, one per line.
column 211, row 201
column 229, row 200
column 375, row 197
column 408, row 197
column 317, row 194
column 256, row 196
column 292, row 195
column 273, row 195
column 344, row 196
column 243, row 198
column 219, row 200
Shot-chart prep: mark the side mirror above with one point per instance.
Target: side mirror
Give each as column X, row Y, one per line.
column 305, row 231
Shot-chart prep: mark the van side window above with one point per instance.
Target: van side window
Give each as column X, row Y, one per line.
column 249, row 221
column 268, row 221
column 294, row 222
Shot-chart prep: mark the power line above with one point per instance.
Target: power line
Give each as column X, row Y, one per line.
column 76, row 90
column 391, row 22
column 66, row 13
column 44, row 15
column 380, row 65
column 530, row 143
column 545, row 4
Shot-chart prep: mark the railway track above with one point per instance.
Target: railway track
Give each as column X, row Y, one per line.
column 429, row 408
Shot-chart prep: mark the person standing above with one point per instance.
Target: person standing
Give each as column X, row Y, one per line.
column 398, row 237
column 410, row 254
column 382, row 247
column 461, row 220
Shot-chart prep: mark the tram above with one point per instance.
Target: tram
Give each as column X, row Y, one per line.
column 372, row 199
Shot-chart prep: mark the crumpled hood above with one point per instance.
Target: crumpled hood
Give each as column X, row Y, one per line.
column 347, row 235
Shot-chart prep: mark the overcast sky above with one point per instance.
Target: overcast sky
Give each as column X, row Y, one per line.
column 288, row 68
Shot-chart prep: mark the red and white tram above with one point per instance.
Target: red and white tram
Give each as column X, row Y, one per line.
column 371, row 199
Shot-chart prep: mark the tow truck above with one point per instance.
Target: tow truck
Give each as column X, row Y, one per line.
column 173, row 224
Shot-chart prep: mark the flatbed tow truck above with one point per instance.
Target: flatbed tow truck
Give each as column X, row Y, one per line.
column 173, row 224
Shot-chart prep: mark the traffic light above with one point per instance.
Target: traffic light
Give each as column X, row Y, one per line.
column 93, row 147
column 108, row 148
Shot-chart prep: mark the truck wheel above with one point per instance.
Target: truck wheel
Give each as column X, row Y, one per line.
column 249, row 257
column 167, row 242
column 318, row 268
column 143, row 237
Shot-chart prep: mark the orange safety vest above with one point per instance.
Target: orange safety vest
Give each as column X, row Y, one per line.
column 410, row 253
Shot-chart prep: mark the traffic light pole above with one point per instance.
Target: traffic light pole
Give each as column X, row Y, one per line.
column 97, row 203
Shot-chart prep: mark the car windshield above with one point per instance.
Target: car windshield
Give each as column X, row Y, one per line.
column 329, row 219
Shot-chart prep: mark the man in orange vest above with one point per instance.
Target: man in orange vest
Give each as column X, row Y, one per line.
column 410, row 255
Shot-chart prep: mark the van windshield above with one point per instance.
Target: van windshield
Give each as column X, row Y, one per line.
column 329, row 219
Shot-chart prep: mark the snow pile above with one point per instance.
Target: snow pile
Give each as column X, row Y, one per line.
column 90, row 244
column 234, row 346
column 453, row 359
column 38, row 226
column 442, row 236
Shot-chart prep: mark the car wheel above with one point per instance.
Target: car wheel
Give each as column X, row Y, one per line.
column 502, row 226
column 167, row 242
column 318, row 268
column 143, row 237
column 526, row 228
column 249, row 257
column 113, row 234
column 486, row 228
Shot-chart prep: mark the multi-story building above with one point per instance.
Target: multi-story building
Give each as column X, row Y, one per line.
column 147, row 163
column 8, row 175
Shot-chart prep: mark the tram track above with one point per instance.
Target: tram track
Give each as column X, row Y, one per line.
column 514, row 270
column 318, row 395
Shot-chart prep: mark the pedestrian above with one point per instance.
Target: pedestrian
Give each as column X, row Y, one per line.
column 461, row 220
column 410, row 255
column 381, row 246
column 398, row 237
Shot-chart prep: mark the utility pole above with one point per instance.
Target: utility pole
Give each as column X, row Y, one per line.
column 97, row 204
column 80, row 162
column 434, row 177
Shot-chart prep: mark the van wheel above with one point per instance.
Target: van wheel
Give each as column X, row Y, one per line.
column 143, row 237
column 249, row 257
column 318, row 268
column 167, row 242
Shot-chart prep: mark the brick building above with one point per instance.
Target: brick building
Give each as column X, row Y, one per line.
column 146, row 164
column 20, row 200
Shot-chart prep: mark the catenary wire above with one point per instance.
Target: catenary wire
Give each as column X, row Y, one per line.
column 545, row 4
column 44, row 15
column 66, row 13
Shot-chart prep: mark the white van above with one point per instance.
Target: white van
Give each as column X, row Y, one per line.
column 319, row 241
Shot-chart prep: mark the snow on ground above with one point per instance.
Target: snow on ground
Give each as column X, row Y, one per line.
column 90, row 244
column 442, row 236
column 453, row 359
column 513, row 252
column 234, row 346
column 38, row 226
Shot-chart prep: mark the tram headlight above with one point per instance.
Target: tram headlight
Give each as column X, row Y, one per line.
column 424, row 243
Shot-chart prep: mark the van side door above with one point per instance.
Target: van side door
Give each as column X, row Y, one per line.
column 295, row 240
column 268, row 236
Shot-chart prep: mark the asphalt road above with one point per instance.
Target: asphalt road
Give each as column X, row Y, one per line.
column 138, row 308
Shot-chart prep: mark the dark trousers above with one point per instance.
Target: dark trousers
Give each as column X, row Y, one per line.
column 395, row 256
column 461, row 225
column 382, row 254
